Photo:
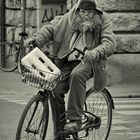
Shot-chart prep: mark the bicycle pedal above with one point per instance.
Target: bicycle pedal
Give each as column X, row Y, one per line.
column 70, row 132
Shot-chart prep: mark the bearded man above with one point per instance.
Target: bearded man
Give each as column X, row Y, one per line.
column 88, row 29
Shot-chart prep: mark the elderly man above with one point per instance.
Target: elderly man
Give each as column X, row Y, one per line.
column 89, row 29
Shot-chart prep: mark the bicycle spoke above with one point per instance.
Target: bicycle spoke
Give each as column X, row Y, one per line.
column 98, row 104
column 34, row 123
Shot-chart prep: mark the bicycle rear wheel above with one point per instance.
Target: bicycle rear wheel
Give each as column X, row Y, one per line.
column 21, row 54
column 98, row 104
column 34, row 120
column 11, row 57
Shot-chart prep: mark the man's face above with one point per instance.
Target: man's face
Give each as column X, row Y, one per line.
column 85, row 20
column 86, row 14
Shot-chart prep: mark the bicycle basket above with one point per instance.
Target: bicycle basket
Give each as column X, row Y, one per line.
column 39, row 79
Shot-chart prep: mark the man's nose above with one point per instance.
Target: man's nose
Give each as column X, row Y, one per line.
column 86, row 13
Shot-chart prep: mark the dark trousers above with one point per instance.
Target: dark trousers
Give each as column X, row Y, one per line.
column 75, row 75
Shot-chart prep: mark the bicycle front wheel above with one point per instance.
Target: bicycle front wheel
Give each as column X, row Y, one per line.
column 34, row 120
column 10, row 58
column 99, row 104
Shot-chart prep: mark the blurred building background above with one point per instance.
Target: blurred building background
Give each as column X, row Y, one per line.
column 125, row 15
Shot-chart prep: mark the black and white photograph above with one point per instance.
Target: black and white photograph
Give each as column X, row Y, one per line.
column 69, row 69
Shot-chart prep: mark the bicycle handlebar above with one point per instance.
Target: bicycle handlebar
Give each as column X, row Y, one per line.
column 74, row 49
column 33, row 44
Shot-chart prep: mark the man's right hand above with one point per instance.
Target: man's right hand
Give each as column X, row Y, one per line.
column 28, row 42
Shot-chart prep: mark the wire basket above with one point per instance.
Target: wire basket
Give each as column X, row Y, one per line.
column 39, row 79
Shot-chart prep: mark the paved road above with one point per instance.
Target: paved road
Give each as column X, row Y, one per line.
column 126, row 116
column 14, row 95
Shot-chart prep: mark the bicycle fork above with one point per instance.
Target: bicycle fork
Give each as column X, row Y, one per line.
column 36, row 131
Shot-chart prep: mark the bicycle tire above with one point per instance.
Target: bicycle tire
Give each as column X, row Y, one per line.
column 43, row 122
column 9, row 69
column 11, row 53
column 99, row 104
column 22, row 53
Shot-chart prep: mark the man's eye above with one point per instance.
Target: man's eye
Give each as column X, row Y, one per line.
column 82, row 12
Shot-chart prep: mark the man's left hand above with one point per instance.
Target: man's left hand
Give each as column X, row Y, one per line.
column 90, row 56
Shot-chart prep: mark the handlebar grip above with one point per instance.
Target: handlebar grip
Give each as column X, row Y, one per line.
column 33, row 44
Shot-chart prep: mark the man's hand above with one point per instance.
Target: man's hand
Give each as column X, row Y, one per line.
column 90, row 56
column 27, row 42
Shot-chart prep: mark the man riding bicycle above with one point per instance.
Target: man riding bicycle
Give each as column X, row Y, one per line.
column 89, row 29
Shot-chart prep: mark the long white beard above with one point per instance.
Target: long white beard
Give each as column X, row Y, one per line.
column 85, row 24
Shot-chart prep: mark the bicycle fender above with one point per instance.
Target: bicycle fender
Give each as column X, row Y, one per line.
column 109, row 96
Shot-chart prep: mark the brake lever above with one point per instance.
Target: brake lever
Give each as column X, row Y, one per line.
column 81, row 52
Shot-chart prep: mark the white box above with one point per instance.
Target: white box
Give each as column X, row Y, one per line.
column 38, row 60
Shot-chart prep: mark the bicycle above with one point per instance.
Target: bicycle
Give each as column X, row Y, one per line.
column 14, row 50
column 34, row 121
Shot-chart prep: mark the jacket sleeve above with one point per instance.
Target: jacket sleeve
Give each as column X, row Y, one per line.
column 45, row 34
column 53, row 31
column 108, row 40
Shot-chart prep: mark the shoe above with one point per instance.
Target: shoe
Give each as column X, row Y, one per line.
column 73, row 126
column 59, row 138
